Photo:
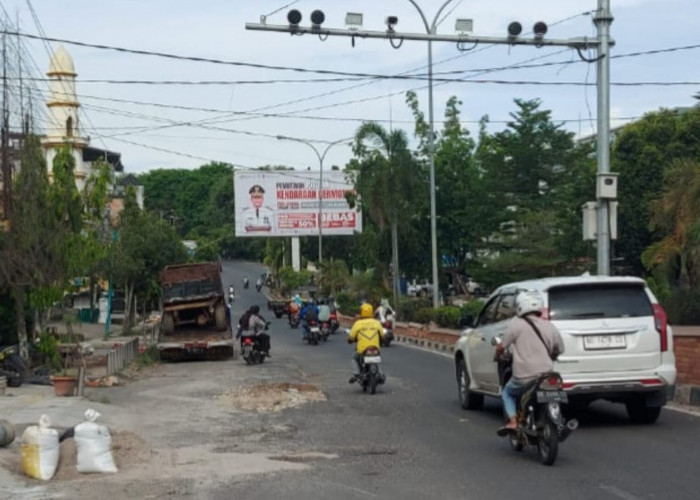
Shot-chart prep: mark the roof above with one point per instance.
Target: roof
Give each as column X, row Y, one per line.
column 115, row 159
column 61, row 63
column 547, row 283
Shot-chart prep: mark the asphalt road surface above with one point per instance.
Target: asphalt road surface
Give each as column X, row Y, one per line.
column 412, row 440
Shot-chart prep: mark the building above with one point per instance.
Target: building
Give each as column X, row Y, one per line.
column 64, row 123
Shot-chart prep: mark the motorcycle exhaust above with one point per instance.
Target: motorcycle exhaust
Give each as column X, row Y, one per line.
column 570, row 427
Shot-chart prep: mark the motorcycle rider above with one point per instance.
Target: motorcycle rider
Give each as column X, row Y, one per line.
column 308, row 313
column 533, row 353
column 259, row 283
column 251, row 320
column 324, row 311
column 384, row 312
column 245, row 281
column 367, row 332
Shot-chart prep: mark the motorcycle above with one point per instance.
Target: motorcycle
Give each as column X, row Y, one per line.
column 294, row 320
column 250, row 348
column 370, row 375
column 388, row 333
column 231, row 298
column 325, row 330
column 314, row 333
column 258, row 287
column 335, row 324
column 12, row 366
column 245, row 284
column 540, row 419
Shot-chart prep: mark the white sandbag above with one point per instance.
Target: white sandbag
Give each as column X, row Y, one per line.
column 94, row 445
column 40, row 450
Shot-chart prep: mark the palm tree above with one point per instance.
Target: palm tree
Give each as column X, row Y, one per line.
column 386, row 173
column 676, row 216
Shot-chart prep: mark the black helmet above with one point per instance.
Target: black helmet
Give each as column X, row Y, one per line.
column 254, row 309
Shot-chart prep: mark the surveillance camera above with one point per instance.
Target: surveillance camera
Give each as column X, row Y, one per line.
column 317, row 17
column 294, row 17
column 392, row 20
column 514, row 29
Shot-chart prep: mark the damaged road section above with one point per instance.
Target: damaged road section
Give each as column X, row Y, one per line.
column 272, row 397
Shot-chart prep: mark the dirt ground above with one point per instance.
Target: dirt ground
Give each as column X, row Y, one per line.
column 178, row 429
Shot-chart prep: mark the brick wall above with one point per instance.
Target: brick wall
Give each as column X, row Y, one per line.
column 686, row 347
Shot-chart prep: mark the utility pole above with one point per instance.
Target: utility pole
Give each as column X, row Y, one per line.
column 6, row 166
column 603, row 19
column 601, row 43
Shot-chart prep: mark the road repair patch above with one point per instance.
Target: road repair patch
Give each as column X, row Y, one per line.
column 273, row 397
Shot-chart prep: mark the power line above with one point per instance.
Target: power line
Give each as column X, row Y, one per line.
column 168, row 55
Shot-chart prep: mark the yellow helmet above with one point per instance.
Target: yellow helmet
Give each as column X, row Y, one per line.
column 366, row 310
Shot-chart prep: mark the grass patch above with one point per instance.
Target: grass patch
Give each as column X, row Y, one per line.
column 149, row 357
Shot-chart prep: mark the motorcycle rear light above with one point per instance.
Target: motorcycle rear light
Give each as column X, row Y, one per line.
column 372, row 351
column 550, row 383
column 661, row 324
column 247, row 341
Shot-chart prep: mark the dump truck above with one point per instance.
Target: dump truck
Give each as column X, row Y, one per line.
column 194, row 318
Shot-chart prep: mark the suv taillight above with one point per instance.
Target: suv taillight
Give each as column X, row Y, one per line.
column 661, row 324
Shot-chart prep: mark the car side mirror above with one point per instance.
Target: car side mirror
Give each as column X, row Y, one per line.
column 496, row 341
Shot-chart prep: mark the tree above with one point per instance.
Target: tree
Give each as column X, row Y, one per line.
column 529, row 172
column 145, row 245
column 640, row 153
column 675, row 216
column 386, row 179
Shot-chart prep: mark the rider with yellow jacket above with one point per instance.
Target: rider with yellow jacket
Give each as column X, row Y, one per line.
column 367, row 332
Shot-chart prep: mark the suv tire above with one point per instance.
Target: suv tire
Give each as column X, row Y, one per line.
column 468, row 400
column 640, row 413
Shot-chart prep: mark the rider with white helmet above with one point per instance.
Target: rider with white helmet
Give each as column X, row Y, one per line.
column 535, row 342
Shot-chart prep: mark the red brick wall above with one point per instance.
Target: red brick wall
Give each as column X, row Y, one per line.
column 687, row 351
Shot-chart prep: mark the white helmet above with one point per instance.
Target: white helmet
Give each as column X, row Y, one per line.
column 529, row 302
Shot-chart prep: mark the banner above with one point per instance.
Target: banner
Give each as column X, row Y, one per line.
column 285, row 203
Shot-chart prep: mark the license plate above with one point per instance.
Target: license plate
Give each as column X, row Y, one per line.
column 552, row 397
column 594, row 342
column 314, row 329
column 373, row 359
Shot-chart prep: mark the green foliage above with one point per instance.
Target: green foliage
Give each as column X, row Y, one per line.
column 48, row 347
column 149, row 357
column 291, row 280
column 472, row 308
column 334, row 276
column 682, row 307
column 347, row 303
column 641, row 153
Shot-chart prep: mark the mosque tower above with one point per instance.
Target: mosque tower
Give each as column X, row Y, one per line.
column 63, row 123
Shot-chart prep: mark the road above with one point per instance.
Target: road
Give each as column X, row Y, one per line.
column 412, row 440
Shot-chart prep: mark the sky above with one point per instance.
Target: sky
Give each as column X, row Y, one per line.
column 163, row 136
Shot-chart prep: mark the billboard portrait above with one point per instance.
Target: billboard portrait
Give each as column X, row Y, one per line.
column 286, row 203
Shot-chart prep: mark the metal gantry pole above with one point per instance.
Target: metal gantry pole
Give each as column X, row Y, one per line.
column 603, row 19
column 431, row 30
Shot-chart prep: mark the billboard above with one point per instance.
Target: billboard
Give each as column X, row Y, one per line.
column 285, row 203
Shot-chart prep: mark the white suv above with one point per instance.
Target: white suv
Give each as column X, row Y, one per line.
column 618, row 344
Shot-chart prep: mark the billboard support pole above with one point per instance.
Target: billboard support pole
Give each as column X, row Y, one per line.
column 296, row 255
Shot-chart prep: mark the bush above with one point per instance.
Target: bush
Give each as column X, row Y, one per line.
column 683, row 307
column 409, row 307
column 423, row 315
column 447, row 316
column 347, row 303
column 470, row 310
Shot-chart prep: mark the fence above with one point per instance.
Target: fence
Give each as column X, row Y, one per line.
column 121, row 355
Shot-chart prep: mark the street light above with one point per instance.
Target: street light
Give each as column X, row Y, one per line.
column 431, row 30
column 321, row 156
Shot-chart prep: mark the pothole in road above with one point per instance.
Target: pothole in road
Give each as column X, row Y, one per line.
column 274, row 397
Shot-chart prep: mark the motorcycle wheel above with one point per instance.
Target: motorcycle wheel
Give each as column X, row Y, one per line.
column 548, row 443
column 373, row 384
column 15, row 364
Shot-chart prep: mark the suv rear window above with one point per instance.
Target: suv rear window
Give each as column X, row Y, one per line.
column 598, row 301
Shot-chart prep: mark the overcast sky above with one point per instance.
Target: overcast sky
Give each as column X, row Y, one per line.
column 216, row 29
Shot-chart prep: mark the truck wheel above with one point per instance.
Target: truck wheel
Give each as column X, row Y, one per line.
column 168, row 324
column 220, row 316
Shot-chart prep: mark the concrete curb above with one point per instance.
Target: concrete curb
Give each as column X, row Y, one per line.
column 425, row 343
